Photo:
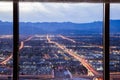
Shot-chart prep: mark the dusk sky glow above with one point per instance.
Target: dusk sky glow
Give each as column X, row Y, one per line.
column 58, row 12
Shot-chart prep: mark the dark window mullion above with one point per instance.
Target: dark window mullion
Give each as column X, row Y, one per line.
column 106, row 40
column 15, row 40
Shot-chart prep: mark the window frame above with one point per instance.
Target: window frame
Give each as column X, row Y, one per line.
column 106, row 18
column 15, row 40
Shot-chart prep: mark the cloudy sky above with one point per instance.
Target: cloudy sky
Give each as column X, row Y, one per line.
column 58, row 12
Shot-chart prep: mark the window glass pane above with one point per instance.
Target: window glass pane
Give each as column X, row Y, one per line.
column 6, row 40
column 115, row 41
column 64, row 0
column 61, row 40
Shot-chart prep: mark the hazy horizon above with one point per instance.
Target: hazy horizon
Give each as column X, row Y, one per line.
column 61, row 22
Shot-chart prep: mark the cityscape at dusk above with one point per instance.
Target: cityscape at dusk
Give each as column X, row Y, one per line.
column 63, row 41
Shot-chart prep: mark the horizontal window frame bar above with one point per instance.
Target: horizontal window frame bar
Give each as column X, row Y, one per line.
column 61, row 1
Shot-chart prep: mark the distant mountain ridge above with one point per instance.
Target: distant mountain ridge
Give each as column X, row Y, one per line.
column 58, row 27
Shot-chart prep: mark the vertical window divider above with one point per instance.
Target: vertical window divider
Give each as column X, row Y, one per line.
column 15, row 40
column 106, row 26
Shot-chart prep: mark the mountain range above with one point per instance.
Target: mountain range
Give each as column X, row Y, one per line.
column 59, row 27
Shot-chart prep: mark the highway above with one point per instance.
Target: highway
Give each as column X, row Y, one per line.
column 89, row 45
column 6, row 60
column 63, row 37
column 115, row 76
column 20, row 47
column 76, row 56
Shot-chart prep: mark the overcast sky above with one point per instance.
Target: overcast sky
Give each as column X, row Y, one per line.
column 58, row 12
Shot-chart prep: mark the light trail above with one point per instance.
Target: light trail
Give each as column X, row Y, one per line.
column 28, row 38
column 7, row 59
column 76, row 56
column 20, row 47
column 63, row 37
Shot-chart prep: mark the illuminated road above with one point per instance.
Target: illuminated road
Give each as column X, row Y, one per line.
column 20, row 47
column 93, row 72
column 7, row 59
column 63, row 37
column 115, row 75
column 90, row 45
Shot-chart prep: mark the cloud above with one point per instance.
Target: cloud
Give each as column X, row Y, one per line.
column 61, row 12
column 58, row 12
column 5, row 6
column 115, row 11
column 6, row 11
